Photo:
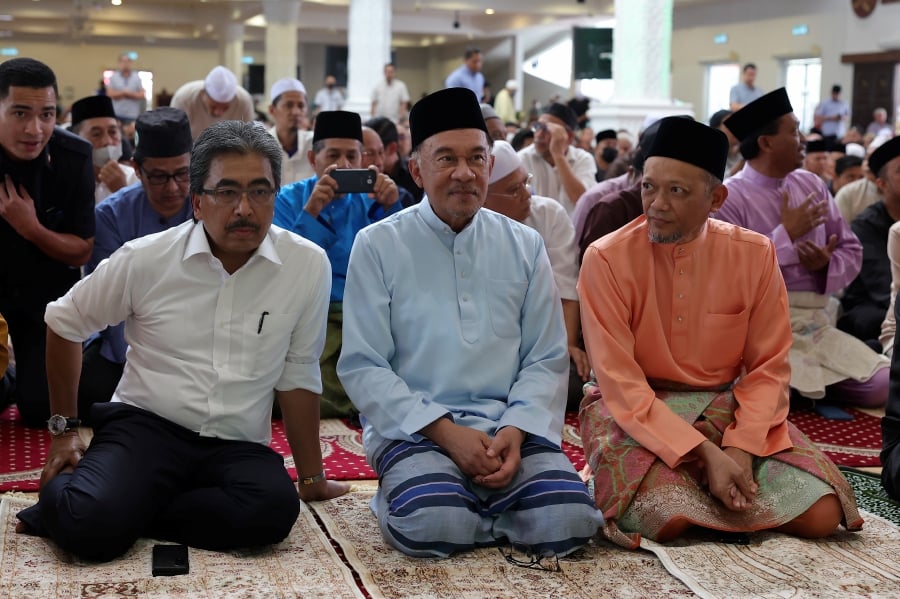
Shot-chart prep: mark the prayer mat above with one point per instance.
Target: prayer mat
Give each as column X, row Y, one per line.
column 845, row 565
column 870, row 494
column 854, row 442
column 303, row 565
column 600, row 570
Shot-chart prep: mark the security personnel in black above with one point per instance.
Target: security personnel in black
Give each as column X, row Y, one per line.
column 46, row 220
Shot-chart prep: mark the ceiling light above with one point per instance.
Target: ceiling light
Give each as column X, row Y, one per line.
column 116, row 2
column 488, row 11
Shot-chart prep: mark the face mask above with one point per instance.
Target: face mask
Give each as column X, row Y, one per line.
column 105, row 154
column 609, row 154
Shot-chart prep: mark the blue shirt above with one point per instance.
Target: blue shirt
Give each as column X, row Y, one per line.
column 463, row 77
column 467, row 325
column 123, row 216
column 335, row 227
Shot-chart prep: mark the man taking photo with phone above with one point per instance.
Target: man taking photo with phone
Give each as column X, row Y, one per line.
column 319, row 210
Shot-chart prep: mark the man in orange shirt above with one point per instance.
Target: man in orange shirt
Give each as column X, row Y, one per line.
column 686, row 324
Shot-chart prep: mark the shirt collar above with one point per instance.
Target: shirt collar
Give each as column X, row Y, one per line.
column 757, row 178
column 198, row 244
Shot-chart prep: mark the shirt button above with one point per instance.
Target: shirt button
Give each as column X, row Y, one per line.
column 680, row 319
column 681, row 251
column 681, row 272
column 680, row 296
column 465, row 298
column 458, row 252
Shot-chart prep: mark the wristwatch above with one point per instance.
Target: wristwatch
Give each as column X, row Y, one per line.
column 57, row 424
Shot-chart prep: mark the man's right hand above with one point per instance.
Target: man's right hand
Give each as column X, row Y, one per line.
column 801, row 219
column 728, row 481
column 322, row 194
column 66, row 451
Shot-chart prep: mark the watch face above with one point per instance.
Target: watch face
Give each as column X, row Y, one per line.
column 863, row 8
column 56, row 424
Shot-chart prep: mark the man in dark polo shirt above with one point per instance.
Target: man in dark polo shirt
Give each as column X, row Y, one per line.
column 46, row 219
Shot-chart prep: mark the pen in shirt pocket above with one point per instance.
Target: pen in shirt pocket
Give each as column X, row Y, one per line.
column 262, row 318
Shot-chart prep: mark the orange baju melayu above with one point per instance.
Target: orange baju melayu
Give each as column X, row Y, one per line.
column 669, row 329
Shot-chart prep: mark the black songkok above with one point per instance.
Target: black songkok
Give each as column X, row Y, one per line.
column 92, row 107
column 605, row 134
column 884, row 154
column 563, row 113
column 707, row 147
column 162, row 133
column 752, row 118
column 341, row 124
column 444, row 110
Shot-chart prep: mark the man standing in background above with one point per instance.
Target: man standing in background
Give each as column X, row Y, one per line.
column 390, row 97
column 329, row 97
column 745, row 91
column 469, row 73
column 831, row 115
column 126, row 91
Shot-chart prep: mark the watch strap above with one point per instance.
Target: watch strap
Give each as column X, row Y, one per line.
column 311, row 480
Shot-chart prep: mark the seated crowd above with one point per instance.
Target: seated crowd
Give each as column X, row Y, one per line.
column 171, row 291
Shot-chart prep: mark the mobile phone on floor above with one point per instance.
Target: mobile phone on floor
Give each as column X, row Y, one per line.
column 170, row 560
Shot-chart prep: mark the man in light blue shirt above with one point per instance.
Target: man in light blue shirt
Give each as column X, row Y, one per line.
column 746, row 91
column 314, row 209
column 455, row 353
column 159, row 201
column 831, row 115
column 469, row 74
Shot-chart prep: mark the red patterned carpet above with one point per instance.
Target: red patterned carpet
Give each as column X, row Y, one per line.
column 849, row 443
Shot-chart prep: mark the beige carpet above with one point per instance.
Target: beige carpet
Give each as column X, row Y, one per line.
column 304, row 565
column 865, row 564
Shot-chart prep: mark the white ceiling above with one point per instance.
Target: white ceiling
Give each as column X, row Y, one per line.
column 415, row 23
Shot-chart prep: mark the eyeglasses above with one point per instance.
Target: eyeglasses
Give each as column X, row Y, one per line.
column 373, row 153
column 525, row 559
column 182, row 176
column 230, row 196
column 516, row 190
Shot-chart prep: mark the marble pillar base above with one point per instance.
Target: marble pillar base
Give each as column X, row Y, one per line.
column 632, row 115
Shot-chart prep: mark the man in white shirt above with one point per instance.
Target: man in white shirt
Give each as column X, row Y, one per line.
column 329, row 97
column 93, row 119
column 288, row 110
column 561, row 171
column 390, row 98
column 218, row 328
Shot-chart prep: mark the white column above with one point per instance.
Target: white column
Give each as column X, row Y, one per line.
column 642, row 48
column 369, row 48
column 518, row 57
column 281, row 40
column 231, row 48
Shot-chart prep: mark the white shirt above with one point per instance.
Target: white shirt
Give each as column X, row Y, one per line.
column 549, row 218
column 329, row 99
column 200, row 352
column 101, row 191
column 388, row 97
column 546, row 178
column 297, row 167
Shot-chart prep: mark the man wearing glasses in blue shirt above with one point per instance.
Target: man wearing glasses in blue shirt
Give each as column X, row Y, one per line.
column 159, row 201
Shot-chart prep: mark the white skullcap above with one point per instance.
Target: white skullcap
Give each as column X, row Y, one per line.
column 512, row 84
column 287, row 84
column 880, row 139
column 220, row 85
column 853, row 149
column 505, row 161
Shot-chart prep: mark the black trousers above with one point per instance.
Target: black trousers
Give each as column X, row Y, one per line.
column 145, row 476
column 29, row 338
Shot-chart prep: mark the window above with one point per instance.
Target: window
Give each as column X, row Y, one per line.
column 803, row 82
column 720, row 78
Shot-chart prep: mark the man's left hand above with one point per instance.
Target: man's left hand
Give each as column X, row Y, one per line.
column 385, row 191
column 17, row 208
column 506, row 445
column 815, row 258
column 582, row 364
column 322, row 490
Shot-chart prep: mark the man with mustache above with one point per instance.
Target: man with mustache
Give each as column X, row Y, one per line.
column 218, row 328
column 46, row 219
column 455, row 354
column 687, row 327
column 159, row 201
column 817, row 252
column 314, row 209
